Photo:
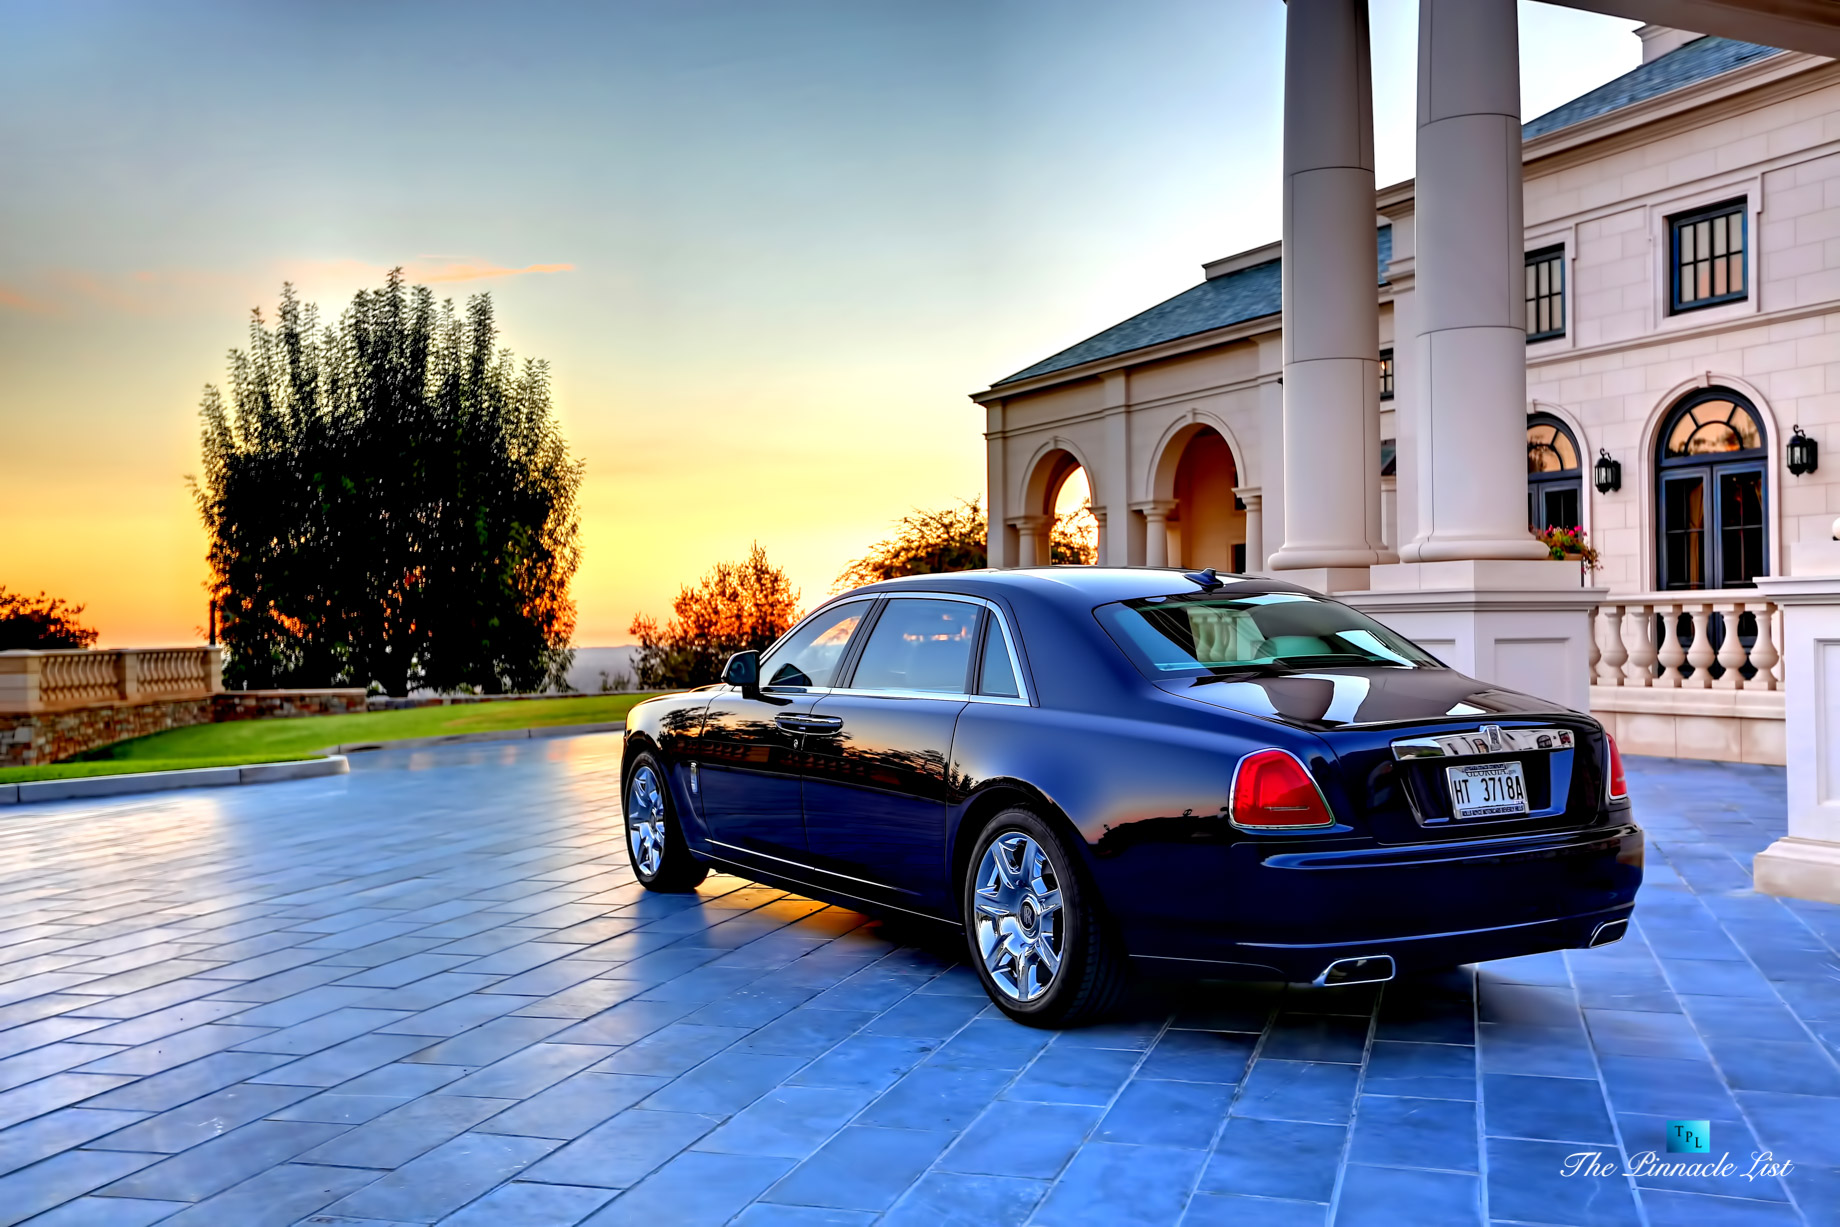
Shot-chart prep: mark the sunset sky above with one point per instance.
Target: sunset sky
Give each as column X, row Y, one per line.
column 767, row 246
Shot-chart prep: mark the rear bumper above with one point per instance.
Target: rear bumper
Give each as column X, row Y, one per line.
column 1417, row 952
column 1288, row 914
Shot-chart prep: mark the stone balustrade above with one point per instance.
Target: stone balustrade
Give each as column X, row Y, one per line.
column 1724, row 640
column 55, row 681
column 1690, row 674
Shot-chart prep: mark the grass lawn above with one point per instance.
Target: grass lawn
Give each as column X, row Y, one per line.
column 273, row 741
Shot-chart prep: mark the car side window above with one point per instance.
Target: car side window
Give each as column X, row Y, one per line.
column 811, row 656
column 920, row 645
column 996, row 676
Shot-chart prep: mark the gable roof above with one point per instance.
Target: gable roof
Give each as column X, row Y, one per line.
column 1695, row 61
column 1250, row 293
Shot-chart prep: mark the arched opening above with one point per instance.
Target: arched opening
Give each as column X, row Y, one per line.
column 1058, row 524
column 1711, row 487
column 1207, row 525
column 1074, row 537
column 1555, row 476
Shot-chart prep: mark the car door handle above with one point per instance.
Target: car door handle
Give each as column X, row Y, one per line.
column 810, row 726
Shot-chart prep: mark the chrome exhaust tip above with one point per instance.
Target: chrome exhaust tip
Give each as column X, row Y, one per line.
column 1607, row 932
column 1368, row 969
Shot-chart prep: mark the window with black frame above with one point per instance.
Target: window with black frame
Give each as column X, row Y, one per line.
column 1546, row 294
column 1706, row 265
column 1711, row 493
column 1555, row 480
column 1386, row 374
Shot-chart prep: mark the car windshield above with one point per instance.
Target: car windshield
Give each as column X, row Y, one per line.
column 1277, row 632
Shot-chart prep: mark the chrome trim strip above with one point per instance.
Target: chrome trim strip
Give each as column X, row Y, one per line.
column 767, row 856
column 1489, row 739
column 893, row 907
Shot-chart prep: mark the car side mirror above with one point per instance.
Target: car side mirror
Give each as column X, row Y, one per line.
column 743, row 671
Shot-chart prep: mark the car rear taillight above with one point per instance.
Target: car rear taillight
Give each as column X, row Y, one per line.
column 1273, row 792
column 1619, row 787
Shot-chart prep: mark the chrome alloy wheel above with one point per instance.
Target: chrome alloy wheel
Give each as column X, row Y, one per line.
column 1018, row 918
column 645, row 821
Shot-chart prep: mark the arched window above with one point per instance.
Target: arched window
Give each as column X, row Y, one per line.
column 1555, row 483
column 1710, row 491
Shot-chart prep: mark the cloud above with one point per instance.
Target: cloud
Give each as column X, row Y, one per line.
column 19, row 300
column 475, row 270
column 423, row 270
column 161, row 292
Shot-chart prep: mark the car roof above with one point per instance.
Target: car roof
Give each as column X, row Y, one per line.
column 1075, row 585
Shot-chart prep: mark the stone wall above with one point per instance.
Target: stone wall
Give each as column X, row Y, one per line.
column 27, row 739
column 284, row 704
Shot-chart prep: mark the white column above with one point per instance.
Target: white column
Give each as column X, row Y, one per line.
column 1255, row 525
column 1156, row 531
column 996, row 483
column 1032, row 540
column 1331, row 314
column 1271, row 446
column 1472, row 338
column 1114, row 483
column 1805, row 864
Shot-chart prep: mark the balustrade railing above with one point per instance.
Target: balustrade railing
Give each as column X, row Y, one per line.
column 1723, row 640
column 64, row 680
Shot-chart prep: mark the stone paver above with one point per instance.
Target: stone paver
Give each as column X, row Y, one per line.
column 431, row 992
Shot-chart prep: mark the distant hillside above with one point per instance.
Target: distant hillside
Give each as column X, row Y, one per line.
column 591, row 663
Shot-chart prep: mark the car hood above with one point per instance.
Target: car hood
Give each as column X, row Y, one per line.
column 1334, row 698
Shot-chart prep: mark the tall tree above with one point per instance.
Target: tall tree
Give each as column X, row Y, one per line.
column 736, row 607
column 41, row 622
column 390, row 502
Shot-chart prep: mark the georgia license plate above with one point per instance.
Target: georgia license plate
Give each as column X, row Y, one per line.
column 1487, row 790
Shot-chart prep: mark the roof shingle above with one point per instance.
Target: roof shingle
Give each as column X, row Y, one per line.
column 1695, row 61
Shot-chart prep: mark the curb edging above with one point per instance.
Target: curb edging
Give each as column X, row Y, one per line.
column 84, row 787
column 460, row 739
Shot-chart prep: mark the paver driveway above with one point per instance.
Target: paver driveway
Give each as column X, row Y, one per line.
column 431, row 992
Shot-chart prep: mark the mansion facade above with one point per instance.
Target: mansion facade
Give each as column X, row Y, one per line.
column 1682, row 273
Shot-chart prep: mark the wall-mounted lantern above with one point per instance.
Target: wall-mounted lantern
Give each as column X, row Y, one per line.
column 1609, row 472
column 1804, row 454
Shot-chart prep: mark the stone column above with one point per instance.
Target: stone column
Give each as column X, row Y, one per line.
column 1472, row 338
column 1156, row 530
column 996, row 484
column 1331, row 313
column 1271, row 446
column 1805, row 864
column 1114, row 483
column 1031, row 540
column 1255, row 525
column 128, row 675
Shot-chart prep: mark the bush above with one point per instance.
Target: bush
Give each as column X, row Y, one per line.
column 41, row 623
column 736, row 607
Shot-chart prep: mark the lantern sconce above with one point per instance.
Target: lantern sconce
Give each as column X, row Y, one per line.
column 1609, row 472
column 1804, row 454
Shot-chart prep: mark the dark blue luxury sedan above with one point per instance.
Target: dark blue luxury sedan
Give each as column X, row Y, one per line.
column 1091, row 769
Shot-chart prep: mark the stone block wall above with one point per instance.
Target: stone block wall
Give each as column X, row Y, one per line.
column 27, row 739
column 284, row 704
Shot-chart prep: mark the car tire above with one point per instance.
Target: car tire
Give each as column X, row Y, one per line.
column 661, row 859
column 1036, row 931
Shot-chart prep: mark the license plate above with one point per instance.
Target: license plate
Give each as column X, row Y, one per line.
column 1487, row 790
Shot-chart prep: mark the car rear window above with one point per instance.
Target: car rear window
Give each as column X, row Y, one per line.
column 1203, row 633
